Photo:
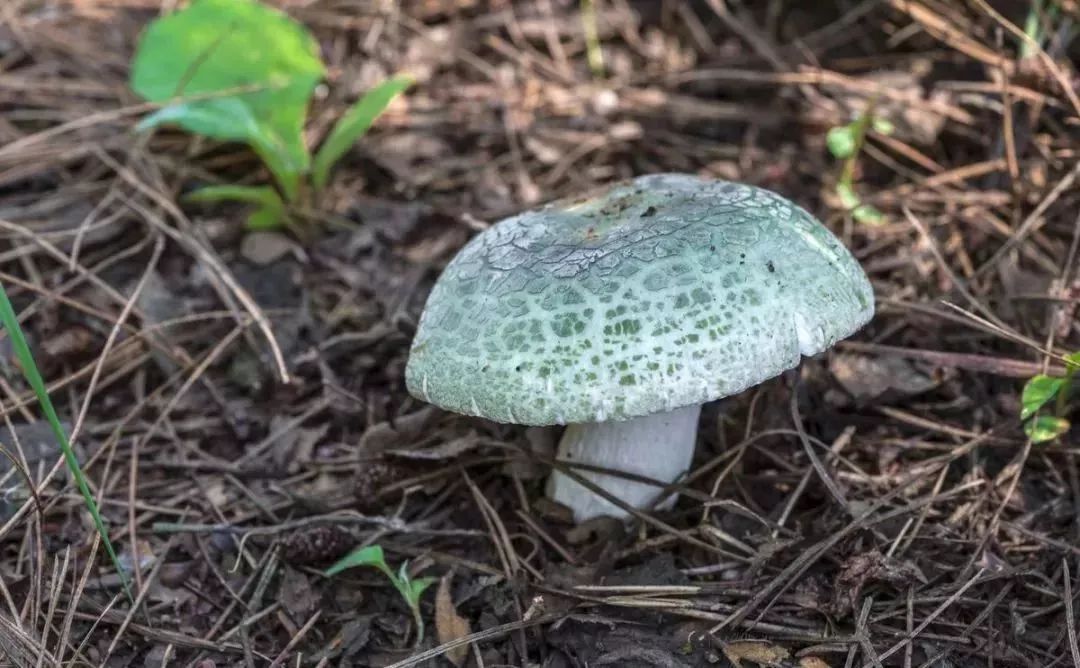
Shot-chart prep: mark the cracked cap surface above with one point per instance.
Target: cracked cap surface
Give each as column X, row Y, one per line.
column 652, row 294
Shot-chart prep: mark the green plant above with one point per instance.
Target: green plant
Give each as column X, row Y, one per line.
column 593, row 51
column 1033, row 26
column 30, row 371
column 237, row 70
column 1041, row 390
column 845, row 142
column 410, row 589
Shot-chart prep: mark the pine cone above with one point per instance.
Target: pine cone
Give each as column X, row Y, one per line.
column 317, row 545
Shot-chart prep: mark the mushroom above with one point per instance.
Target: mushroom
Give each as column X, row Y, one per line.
column 620, row 313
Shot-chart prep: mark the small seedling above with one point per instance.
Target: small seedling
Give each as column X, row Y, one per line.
column 30, row 371
column 237, row 70
column 1039, row 12
column 410, row 589
column 1041, row 390
column 845, row 142
column 594, row 53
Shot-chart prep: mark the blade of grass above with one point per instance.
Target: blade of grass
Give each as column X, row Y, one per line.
column 354, row 125
column 593, row 51
column 10, row 323
column 270, row 214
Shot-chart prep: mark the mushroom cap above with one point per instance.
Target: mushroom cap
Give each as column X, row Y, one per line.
column 649, row 295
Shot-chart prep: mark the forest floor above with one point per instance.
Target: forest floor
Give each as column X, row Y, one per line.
column 934, row 533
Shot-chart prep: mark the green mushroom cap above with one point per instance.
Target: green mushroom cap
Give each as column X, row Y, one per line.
column 655, row 293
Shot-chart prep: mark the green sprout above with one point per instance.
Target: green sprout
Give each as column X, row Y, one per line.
column 845, row 142
column 1033, row 26
column 410, row 589
column 10, row 323
column 1041, row 390
column 593, row 51
column 237, row 70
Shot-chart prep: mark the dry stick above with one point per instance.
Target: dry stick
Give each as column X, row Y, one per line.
column 819, row 466
column 998, row 366
column 251, row 581
column 113, row 438
column 644, row 517
column 546, row 537
column 957, row 282
column 133, row 482
column 224, row 288
column 500, row 538
column 64, row 258
column 979, row 618
column 129, row 305
column 936, row 26
column 1006, row 334
column 864, row 637
column 938, row 484
column 486, row 634
column 202, row 253
column 96, row 375
column 57, row 585
column 87, row 224
column 15, row 617
column 160, row 635
column 76, row 595
column 929, row 619
column 295, row 640
column 785, row 578
column 196, row 373
column 143, row 593
column 37, row 566
column 254, row 603
column 1009, row 130
column 56, row 296
column 819, row 77
column 20, row 463
column 106, row 116
column 758, row 43
column 20, row 646
column 1070, row 618
column 789, row 506
column 1014, row 469
column 77, row 124
column 512, row 564
column 1062, row 79
column 1031, row 223
column 909, row 625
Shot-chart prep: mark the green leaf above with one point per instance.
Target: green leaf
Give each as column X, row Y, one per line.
column 410, row 589
column 417, row 587
column 33, row 376
column 849, row 199
column 1072, row 361
column 865, row 213
column 371, row 555
column 234, row 70
column 1045, row 428
column 354, row 124
column 883, row 126
column 1038, row 391
column 270, row 214
column 841, row 141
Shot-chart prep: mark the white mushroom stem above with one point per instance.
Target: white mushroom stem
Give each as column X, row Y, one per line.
column 658, row 446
